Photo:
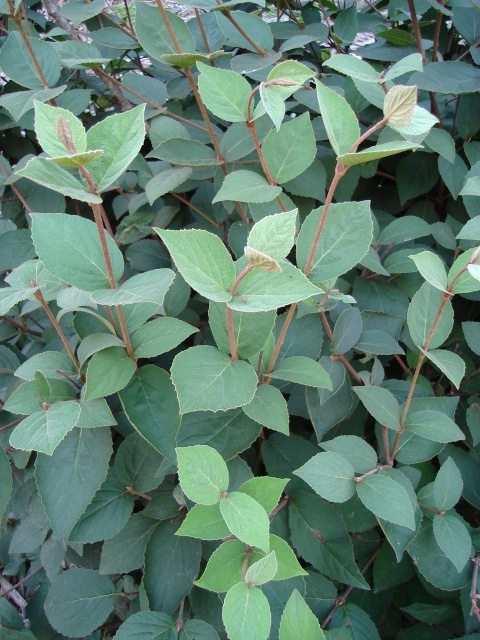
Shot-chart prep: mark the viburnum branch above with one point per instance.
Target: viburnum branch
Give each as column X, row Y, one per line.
column 229, row 312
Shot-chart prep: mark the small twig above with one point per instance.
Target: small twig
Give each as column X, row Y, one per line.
column 279, row 507
column 248, row 553
column 402, row 364
column 132, row 491
column 3, row 594
column 21, row 327
column 179, row 623
column 473, row 591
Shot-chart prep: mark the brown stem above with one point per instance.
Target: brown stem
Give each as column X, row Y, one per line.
column 402, row 364
column 180, row 622
column 20, row 582
column 229, row 312
column 251, row 42
column 15, row 190
column 280, row 340
column 341, row 357
column 39, row 296
column 386, row 446
column 194, row 208
column 202, row 30
column 473, row 590
column 10, row 425
column 431, row 509
column 248, row 553
column 129, row 33
column 416, row 30
column 279, row 507
column 436, row 35
column 21, row 327
column 132, row 492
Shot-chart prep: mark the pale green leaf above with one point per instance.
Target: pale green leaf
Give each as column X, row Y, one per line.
column 203, row 261
column 246, row 186
column 150, row 286
column 453, row 539
column 269, row 408
column 387, row 499
column 431, row 268
column 225, row 93
column 166, row 181
column 109, row 370
column 246, row 519
column 382, row 404
column 378, row 151
column 449, row 363
column 46, row 118
column 246, row 613
column 330, row 475
column 433, row 425
column 302, row 370
column 338, row 118
column 399, row 105
column 421, row 316
column 274, row 235
column 205, row 522
column 160, row 336
column 224, row 383
column 353, row 67
column 262, row 571
column 298, row 621
column 203, row 474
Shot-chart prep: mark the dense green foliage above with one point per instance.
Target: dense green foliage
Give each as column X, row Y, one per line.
column 239, row 352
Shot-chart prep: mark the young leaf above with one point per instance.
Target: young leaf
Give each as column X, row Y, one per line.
column 46, row 122
column 399, row 105
column 330, row 475
column 44, row 430
column 120, row 137
column 338, row 118
column 224, row 383
column 262, row 571
column 265, row 490
column 246, row 186
column 246, row 613
column 204, row 522
column 79, row 601
column 246, row 519
column 203, row 261
column 378, row 151
column 203, row 474
column 431, row 268
column 69, row 247
column 225, row 93
column 453, row 539
column 261, row 261
column 387, row 499
column 274, row 235
column 109, row 370
column 382, row 404
column 298, row 621
column 448, row 486
column 269, row 408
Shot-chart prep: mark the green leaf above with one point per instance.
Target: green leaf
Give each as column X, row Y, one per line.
column 203, row 474
column 96, row 342
column 18, row 65
column 160, row 336
column 471, row 331
column 338, row 118
column 49, row 175
column 433, row 425
column 378, row 151
column 44, row 430
column 246, row 519
column 107, row 514
column 79, row 601
column 203, row 261
column 109, row 370
column 69, row 478
column 320, row 537
column 171, row 566
column 224, row 383
column 453, row 539
column 137, row 464
column 360, row 454
column 9, row 297
column 298, row 621
column 431, row 268
column 225, row 93
column 5, row 481
column 126, row 550
column 422, row 313
column 347, row 330
column 274, row 235
column 153, row 34
column 387, row 499
column 258, row 291
column 353, row 67
column 251, row 330
column 262, row 571
column 382, row 404
column 148, row 625
column 69, row 247
column 404, row 229
column 185, row 152
column 246, row 613
column 447, row 77
column 463, row 276
column 471, row 188
column 269, row 408
column 166, row 181
column 442, row 142
column 345, row 239
column 330, row 475
column 224, row 567
column 46, row 119
column 150, row 286
column 265, row 490
column 246, row 186
column 48, row 363
column 302, row 371
column 76, row 160
column 204, row 522
column 290, row 150
column 449, row 363
column 448, row 486
column 150, row 404
column 120, row 137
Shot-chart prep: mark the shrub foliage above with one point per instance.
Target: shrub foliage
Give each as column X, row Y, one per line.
column 239, row 352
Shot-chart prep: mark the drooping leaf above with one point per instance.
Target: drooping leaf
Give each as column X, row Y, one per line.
column 431, row 268
column 339, row 119
column 150, row 625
